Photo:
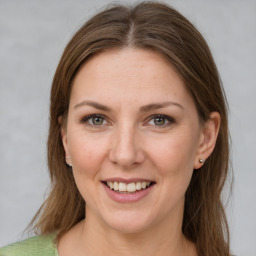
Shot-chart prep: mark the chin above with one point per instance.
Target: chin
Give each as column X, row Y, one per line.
column 128, row 223
column 127, row 228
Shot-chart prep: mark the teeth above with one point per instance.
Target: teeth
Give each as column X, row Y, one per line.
column 143, row 184
column 130, row 187
column 122, row 187
column 110, row 184
column 116, row 186
column 138, row 185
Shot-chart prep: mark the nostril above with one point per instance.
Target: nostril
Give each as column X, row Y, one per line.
column 125, row 148
column 127, row 158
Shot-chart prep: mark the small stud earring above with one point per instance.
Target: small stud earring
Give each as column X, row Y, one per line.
column 201, row 160
column 69, row 164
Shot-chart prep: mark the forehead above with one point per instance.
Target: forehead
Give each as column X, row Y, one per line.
column 128, row 73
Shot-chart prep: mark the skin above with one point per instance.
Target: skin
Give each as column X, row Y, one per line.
column 129, row 143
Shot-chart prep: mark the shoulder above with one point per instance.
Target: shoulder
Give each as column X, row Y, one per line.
column 38, row 245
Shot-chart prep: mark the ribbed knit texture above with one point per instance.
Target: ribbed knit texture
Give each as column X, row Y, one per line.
column 35, row 246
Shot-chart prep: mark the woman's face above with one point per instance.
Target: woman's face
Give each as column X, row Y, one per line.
column 131, row 123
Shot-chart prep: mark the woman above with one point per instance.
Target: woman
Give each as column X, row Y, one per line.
column 138, row 141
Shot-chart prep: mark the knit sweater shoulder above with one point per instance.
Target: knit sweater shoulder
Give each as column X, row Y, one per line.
column 35, row 246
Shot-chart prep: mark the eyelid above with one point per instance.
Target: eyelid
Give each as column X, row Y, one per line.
column 170, row 120
column 84, row 120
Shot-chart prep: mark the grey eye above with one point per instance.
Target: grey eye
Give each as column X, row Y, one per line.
column 159, row 121
column 94, row 120
column 97, row 120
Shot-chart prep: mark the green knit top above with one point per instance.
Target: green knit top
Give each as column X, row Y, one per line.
column 35, row 246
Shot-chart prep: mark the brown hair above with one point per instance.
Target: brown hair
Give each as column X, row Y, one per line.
column 160, row 28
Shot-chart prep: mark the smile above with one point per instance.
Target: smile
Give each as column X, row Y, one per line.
column 127, row 191
column 129, row 187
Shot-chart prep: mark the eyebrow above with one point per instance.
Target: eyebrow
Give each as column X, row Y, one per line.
column 145, row 108
column 92, row 104
column 154, row 106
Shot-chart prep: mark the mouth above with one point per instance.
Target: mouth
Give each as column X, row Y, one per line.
column 128, row 188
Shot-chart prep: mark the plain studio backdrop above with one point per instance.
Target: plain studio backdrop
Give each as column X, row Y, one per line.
column 33, row 35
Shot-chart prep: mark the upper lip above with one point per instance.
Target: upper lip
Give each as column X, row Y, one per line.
column 127, row 181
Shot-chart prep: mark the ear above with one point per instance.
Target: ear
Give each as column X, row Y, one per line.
column 64, row 139
column 208, row 139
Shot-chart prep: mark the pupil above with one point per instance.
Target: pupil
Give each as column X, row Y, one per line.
column 159, row 121
column 97, row 120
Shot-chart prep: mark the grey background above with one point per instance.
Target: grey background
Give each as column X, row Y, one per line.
column 33, row 35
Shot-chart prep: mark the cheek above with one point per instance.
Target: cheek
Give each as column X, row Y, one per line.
column 174, row 161
column 87, row 153
column 175, row 154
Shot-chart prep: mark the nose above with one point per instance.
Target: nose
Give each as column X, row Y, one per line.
column 126, row 149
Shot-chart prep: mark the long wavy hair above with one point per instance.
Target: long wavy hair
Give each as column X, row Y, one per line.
column 159, row 28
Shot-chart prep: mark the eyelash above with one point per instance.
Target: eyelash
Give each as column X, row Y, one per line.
column 166, row 118
column 169, row 120
column 86, row 119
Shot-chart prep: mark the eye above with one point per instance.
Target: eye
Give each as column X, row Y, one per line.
column 97, row 120
column 94, row 120
column 161, row 121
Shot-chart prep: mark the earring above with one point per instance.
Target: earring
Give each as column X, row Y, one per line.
column 201, row 160
column 69, row 164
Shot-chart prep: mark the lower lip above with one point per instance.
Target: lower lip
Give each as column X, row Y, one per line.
column 127, row 197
